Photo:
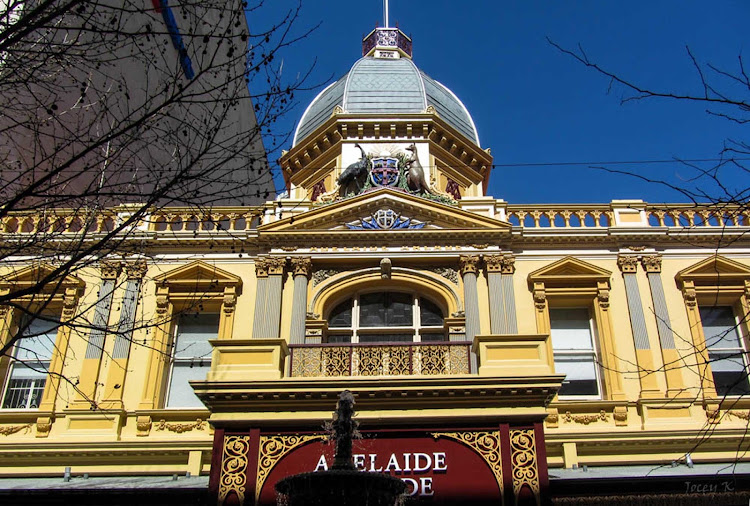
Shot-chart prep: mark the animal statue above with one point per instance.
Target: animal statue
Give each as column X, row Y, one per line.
column 415, row 177
column 354, row 174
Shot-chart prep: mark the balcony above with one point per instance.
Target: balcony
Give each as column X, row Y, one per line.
column 408, row 359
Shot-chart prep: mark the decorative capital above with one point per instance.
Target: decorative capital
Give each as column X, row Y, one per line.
column 540, row 297
column 628, row 264
column 468, row 264
column 652, row 263
column 110, row 269
column 301, row 266
column 494, row 263
column 276, row 266
column 509, row 264
column 136, row 269
column 261, row 268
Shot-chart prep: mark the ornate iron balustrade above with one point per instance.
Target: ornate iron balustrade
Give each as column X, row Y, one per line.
column 315, row 360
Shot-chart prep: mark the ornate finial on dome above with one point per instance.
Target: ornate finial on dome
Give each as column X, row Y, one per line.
column 386, row 42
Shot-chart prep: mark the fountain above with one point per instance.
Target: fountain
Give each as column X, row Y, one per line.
column 343, row 484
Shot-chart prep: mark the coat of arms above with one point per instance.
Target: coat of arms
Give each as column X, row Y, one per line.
column 384, row 171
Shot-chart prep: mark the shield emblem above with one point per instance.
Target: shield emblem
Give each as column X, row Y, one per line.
column 384, row 171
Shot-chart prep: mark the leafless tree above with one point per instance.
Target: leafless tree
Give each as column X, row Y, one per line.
column 725, row 93
column 110, row 110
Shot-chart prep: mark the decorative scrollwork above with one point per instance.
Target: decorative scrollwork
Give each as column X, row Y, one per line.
column 448, row 273
column 272, row 449
column 12, row 429
column 743, row 415
column 486, row 444
column 179, row 428
column 433, row 359
column 523, row 461
column 585, row 419
column 233, row 475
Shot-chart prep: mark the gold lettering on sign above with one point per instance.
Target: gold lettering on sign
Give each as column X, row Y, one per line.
column 486, row 444
column 234, row 467
column 523, row 461
column 272, row 449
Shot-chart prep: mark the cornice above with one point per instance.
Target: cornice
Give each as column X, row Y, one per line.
column 302, row 395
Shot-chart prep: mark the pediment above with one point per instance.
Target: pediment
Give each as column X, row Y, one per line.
column 714, row 269
column 569, row 271
column 35, row 274
column 198, row 276
column 410, row 213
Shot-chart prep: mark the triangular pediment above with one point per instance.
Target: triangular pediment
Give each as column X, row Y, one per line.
column 714, row 269
column 198, row 276
column 35, row 274
column 422, row 215
column 569, row 271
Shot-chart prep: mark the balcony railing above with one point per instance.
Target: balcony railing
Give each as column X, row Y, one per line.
column 315, row 360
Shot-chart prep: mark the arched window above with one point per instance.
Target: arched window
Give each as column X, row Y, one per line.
column 386, row 317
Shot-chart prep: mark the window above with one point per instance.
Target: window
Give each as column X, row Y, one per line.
column 191, row 357
column 378, row 317
column 572, row 334
column 30, row 363
column 726, row 352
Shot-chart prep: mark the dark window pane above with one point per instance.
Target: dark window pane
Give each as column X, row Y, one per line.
column 385, row 310
column 347, row 338
column 730, row 376
column 386, row 338
column 433, row 337
column 720, row 327
column 399, row 310
column 341, row 316
column 372, row 310
column 430, row 313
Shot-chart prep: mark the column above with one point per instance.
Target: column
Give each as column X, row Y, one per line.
column 273, row 300
column 115, row 382
column 301, row 268
column 644, row 358
column 509, row 295
column 261, row 275
column 493, row 264
column 469, row 265
column 86, row 392
column 671, row 358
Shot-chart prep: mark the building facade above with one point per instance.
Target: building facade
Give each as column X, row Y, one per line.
column 498, row 353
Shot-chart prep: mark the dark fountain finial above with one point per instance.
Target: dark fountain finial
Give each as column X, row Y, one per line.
column 343, row 484
column 344, row 427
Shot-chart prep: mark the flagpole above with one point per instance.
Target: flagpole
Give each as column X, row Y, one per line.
column 385, row 9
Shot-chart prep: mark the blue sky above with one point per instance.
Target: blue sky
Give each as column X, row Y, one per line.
column 533, row 105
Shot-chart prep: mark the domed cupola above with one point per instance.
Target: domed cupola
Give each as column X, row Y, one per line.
column 386, row 81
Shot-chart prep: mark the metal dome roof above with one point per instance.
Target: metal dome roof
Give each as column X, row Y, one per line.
column 382, row 85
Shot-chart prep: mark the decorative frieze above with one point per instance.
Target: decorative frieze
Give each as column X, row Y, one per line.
column 446, row 272
column 322, row 274
column 179, row 428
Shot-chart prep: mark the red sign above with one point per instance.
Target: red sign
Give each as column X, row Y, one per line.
column 436, row 470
